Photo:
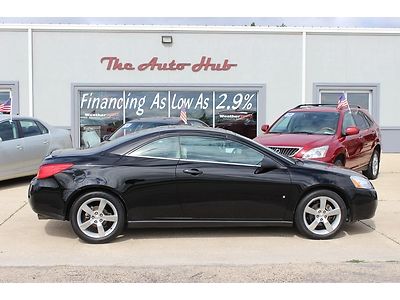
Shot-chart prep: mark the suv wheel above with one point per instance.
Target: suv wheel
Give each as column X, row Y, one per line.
column 373, row 166
column 97, row 217
column 320, row 214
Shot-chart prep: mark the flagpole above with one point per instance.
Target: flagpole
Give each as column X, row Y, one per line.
column 11, row 104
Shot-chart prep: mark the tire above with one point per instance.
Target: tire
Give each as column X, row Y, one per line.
column 373, row 166
column 97, row 217
column 331, row 216
column 338, row 162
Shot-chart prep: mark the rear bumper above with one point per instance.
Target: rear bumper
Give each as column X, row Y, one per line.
column 363, row 204
column 46, row 199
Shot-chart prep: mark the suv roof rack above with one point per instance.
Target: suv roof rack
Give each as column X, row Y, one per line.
column 321, row 104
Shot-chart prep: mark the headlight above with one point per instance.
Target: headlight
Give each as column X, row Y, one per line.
column 361, row 182
column 316, row 152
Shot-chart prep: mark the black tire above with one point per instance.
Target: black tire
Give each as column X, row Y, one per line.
column 334, row 204
column 339, row 162
column 87, row 218
column 373, row 170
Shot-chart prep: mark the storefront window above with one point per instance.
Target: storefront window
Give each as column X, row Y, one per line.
column 198, row 105
column 5, row 101
column 237, row 111
column 102, row 112
column 139, row 104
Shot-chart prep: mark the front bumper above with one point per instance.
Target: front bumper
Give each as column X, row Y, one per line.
column 363, row 204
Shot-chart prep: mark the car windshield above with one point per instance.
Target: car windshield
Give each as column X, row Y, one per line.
column 307, row 122
column 132, row 127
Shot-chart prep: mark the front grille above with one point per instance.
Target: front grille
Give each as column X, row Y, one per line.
column 286, row 151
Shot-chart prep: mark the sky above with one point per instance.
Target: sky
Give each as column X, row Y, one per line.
column 360, row 22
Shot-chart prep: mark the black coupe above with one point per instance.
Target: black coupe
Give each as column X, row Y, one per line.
column 186, row 176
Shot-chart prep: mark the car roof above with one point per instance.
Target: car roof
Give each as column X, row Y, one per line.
column 315, row 107
column 7, row 117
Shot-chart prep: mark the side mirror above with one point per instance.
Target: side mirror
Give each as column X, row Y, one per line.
column 106, row 137
column 267, row 164
column 352, row 131
column 265, row 128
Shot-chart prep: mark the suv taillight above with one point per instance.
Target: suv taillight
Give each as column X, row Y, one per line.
column 49, row 170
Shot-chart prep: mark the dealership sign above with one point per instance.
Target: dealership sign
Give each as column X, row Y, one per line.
column 113, row 63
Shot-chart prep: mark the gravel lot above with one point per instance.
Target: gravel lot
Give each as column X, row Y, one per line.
column 33, row 250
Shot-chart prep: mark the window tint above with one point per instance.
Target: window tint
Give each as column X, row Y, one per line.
column 360, row 121
column 369, row 120
column 218, row 150
column 348, row 121
column 42, row 128
column 8, row 131
column 29, row 128
column 163, row 148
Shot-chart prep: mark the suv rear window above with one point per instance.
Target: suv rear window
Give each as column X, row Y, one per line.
column 307, row 122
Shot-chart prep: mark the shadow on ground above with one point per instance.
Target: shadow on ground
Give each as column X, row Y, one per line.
column 63, row 229
column 14, row 183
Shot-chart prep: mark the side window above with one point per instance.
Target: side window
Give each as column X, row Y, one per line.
column 368, row 119
column 42, row 128
column 8, row 131
column 29, row 128
column 348, row 121
column 218, row 150
column 360, row 121
column 162, row 148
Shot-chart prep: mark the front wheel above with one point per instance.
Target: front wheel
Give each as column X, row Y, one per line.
column 373, row 166
column 97, row 217
column 320, row 214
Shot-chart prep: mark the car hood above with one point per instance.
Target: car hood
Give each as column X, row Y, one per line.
column 316, row 165
column 294, row 140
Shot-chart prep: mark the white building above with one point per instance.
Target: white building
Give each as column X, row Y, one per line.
column 80, row 76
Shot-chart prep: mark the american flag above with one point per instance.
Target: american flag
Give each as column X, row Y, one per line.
column 6, row 106
column 342, row 102
column 183, row 115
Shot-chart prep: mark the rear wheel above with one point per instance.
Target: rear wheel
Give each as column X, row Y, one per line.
column 373, row 166
column 320, row 214
column 97, row 217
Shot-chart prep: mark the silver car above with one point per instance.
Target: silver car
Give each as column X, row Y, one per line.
column 24, row 142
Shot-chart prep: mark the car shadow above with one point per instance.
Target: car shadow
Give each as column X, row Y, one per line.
column 14, row 183
column 63, row 229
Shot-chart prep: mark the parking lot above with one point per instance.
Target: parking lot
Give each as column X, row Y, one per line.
column 33, row 250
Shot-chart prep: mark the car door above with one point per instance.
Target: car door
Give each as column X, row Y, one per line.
column 11, row 150
column 216, row 180
column 365, row 138
column 370, row 137
column 149, row 180
column 352, row 143
column 36, row 143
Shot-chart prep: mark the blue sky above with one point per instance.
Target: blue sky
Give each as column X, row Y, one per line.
column 373, row 22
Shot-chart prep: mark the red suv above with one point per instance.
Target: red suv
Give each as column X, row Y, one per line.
column 343, row 137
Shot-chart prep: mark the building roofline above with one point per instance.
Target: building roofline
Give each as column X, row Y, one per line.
column 196, row 29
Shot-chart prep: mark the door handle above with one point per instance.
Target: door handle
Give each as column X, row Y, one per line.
column 193, row 172
column 19, row 147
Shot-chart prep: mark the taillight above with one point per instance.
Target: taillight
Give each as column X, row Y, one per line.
column 46, row 171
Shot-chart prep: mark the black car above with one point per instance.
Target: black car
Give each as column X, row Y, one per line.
column 190, row 177
column 151, row 122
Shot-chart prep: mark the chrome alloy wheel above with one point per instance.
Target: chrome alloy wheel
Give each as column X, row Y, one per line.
column 97, row 217
column 375, row 163
column 322, row 215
